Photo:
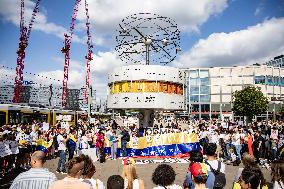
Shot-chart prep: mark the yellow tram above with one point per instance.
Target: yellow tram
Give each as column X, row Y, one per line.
column 15, row 114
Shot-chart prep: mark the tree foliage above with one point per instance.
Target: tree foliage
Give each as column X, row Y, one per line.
column 249, row 101
column 281, row 111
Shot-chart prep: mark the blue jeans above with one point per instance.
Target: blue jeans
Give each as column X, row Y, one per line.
column 71, row 151
column 113, row 150
column 227, row 154
column 123, row 148
column 238, row 150
column 62, row 160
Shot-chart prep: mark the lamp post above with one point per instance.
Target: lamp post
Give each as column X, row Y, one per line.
column 147, row 43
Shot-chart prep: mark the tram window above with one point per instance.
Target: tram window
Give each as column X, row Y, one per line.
column 2, row 118
column 14, row 117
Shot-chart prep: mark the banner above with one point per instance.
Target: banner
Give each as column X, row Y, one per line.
column 164, row 145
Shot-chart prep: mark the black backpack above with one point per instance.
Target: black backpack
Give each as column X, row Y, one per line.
column 55, row 142
column 220, row 178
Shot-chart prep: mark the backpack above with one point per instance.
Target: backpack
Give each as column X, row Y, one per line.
column 220, row 178
column 127, row 138
column 55, row 142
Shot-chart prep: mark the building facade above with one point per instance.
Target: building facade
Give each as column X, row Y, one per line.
column 209, row 90
column 45, row 96
column 277, row 61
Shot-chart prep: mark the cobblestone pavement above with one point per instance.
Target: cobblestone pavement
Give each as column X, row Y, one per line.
column 111, row 167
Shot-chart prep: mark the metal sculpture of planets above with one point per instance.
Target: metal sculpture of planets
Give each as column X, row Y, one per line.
column 145, row 38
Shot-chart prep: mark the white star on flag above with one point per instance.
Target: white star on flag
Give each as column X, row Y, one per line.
column 132, row 153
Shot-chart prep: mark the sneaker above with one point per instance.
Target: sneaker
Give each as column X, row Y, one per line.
column 63, row 173
column 57, row 171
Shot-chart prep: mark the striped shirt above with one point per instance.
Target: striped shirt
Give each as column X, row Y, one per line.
column 35, row 178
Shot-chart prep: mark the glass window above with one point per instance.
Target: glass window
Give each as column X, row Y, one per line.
column 194, row 90
column 269, row 80
column 195, row 108
column 205, row 107
column 204, row 98
column 150, row 86
column 282, row 81
column 203, row 73
column 276, row 81
column 204, row 81
column 193, row 73
column 194, row 81
column 204, row 89
column 259, row 80
column 194, row 98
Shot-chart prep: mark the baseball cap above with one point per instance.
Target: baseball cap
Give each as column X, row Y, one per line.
column 197, row 169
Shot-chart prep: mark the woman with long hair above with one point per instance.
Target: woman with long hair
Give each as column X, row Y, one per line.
column 249, row 180
column 277, row 173
column 251, row 165
column 88, row 173
column 250, row 141
column 130, row 176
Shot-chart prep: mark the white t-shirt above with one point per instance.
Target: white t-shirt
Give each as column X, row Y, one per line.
column 96, row 183
column 135, row 184
column 5, row 149
column 33, row 137
column 236, row 139
column 214, row 165
column 213, row 138
column 61, row 144
column 83, row 143
column 278, row 185
column 14, row 146
column 174, row 186
column 20, row 136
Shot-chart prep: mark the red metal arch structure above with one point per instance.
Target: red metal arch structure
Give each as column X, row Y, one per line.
column 66, row 51
column 23, row 43
column 88, row 57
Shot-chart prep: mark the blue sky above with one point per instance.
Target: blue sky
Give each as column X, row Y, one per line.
column 213, row 33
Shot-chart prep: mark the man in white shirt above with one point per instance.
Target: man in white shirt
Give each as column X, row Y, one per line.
column 34, row 138
column 62, row 152
column 236, row 141
column 37, row 177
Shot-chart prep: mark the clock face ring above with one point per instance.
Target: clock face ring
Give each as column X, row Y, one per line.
column 140, row 33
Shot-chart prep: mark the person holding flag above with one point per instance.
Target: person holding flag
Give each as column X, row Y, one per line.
column 71, row 144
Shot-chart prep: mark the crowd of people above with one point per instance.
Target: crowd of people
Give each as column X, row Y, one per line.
column 259, row 144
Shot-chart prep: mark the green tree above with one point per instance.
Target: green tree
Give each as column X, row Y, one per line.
column 249, row 102
column 281, row 111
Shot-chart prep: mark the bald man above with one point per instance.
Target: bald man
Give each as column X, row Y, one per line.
column 35, row 178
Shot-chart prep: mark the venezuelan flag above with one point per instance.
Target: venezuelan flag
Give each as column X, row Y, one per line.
column 159, row 146
column 72, row 140
column 43, row 145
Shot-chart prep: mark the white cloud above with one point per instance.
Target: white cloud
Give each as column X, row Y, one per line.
column 104, row 62
column 188, row 14
column 257, row 43
column 105, row 15
column 10, row 11
column 259, row 8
